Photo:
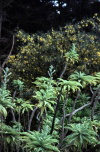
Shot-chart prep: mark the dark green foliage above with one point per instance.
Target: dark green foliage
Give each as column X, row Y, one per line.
column 81, row 136
column 76, row 125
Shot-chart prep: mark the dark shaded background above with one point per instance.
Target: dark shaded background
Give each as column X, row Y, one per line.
column 40, row 15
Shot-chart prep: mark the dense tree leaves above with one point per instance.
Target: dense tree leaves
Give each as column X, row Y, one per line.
column 40, row 50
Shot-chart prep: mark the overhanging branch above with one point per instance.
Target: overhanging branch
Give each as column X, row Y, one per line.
column 81, row 108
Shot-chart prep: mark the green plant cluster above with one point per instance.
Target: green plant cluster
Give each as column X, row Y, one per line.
column 37, row 125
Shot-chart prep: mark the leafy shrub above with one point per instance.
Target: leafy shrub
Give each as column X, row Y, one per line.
column 81, row 136
column 39, row 142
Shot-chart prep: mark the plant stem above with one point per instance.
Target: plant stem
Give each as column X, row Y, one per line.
column 94, row 105
column 73, row 108
column 56, row 109
column 63, row 72
column 31, row 117
column 58, row 100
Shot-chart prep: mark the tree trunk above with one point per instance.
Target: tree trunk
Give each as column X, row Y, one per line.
column 31, row 117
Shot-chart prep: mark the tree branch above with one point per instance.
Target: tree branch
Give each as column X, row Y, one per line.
column 6, row 60
column 81, row 108
column 13, row 114
column 84, row 106
column 94, row 105
column 63, row 72
column 56, row 109
column 58, row 100
column 73, row 108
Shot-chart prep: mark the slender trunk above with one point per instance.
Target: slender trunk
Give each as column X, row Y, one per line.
column 6, row 60
column 17, row 148
column 1, row 144
column 28, row 116
column 74, row 104
column 40, row 124
column 1, row 136
column 24, row 121
column 70, row 117
column 94, row 105
column 13, row 115
column 56, row 109
column 58, row 100
column 92, row 111
column 31, row 118
column 19, row 118
column 63, row 72
column 63, row 121
column 91, row 89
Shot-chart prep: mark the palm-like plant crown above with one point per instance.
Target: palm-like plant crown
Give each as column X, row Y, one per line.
column 82, row 135
column 46, row 94
column 5, row 96
column 69, row 85
column 83, row 78
column 10, row 135
column 72, row 55
column 39, row 142
column 5, row 101
column 97, row 75
column 22, row 105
